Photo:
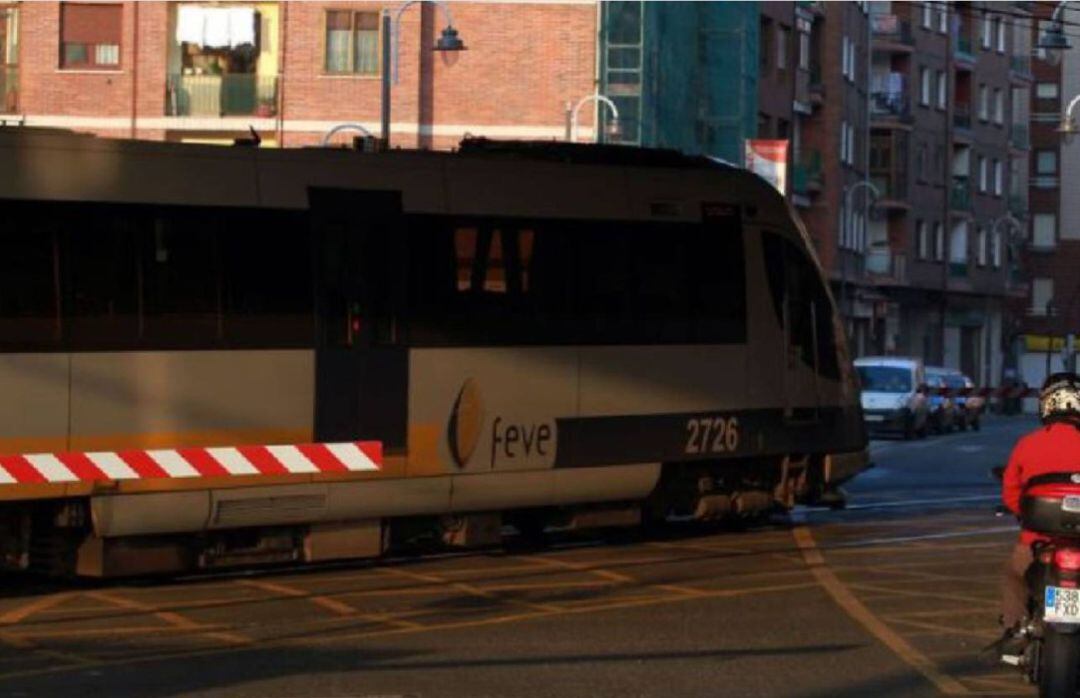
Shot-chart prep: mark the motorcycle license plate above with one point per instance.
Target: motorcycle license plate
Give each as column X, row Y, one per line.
column 1062, row 605
column 1071, row 504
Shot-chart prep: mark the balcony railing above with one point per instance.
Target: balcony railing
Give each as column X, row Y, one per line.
column 963, row 49
column 960, row 195
column 807, row 172
column 892, row 28
column 892, row 185
column 9, row 89
column 891, row 105
column 1021, row 66
column 962, row 116
column 884, row 262
column 817, row 85
column 235, row 94
column 1020, row 137
column 1018, row 205
column 958, row 269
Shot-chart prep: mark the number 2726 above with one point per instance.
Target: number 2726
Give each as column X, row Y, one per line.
column 712, row 435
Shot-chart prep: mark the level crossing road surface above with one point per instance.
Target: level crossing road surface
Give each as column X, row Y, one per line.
column 894, row 596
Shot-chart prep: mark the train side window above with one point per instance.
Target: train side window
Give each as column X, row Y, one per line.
column 717, row 265
column 793, row 276
column 29, row 279
column 101, row 265
column 266, row 268
column 182, row 291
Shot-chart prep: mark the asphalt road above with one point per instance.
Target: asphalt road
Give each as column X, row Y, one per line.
column 892, row 597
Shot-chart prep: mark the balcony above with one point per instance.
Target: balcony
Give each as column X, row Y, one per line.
column 817, row 85
column 892, row 34
column 1020, row 137
column 236, row 94
column 886, row 265
column 1020, row 68
column 960, row 195
column 965, row 59
column 962, row 120
column 958, row 270
column 807, row 175
column 9, row 89
column 1018, row 205
column 891, row 107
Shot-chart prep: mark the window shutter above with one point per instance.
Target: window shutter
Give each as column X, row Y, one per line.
column 90, row 23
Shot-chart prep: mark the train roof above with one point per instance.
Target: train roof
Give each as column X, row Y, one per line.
column 482, row 177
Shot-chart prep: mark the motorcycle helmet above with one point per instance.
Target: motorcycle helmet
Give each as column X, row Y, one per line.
column 1059, row 399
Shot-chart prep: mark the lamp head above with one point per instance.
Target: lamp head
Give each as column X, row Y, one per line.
column 449, row 40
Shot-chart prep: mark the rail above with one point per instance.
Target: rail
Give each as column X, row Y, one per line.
column 229, row 94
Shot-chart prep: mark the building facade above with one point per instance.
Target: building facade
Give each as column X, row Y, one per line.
column 1050, row 251
column 949, row 83
column 293, row 70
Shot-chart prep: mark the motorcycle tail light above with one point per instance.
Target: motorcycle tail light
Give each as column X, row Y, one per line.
column 1067, row 559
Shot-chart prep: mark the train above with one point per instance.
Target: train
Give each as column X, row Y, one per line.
column 531, row 334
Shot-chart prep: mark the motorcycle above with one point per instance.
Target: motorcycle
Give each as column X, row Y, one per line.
column 1050, row 505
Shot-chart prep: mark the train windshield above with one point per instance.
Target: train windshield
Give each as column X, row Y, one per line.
column 885, row 379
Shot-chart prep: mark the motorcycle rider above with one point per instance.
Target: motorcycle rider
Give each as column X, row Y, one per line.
column 1052, row 448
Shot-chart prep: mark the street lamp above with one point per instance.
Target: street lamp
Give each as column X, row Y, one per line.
column 572, row 115
column 346, row 127
column 1053, row 40
column 1068, row 127
column 391, row 26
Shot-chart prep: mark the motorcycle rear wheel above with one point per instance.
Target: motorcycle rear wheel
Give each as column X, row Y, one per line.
column 1060, row 659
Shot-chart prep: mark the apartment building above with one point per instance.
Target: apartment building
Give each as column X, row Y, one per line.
column 191, row 71
column 1050, row 253
column 947, row 157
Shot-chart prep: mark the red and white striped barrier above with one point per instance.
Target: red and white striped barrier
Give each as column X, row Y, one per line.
column 227, row 461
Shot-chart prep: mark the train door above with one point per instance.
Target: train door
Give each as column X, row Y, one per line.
column 804, row 313
column 361, row 363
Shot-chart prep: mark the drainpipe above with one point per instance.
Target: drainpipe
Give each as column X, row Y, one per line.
column 134, row 68
column 283, row 19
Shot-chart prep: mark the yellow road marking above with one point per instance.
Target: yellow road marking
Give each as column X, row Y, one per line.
column 331, row 604
column 845, row 599
column 175, row 620
column 582, row 567
column 17, row 615
column 467, row 588
column 429, row 628
column 890, row 591
column 942, row 629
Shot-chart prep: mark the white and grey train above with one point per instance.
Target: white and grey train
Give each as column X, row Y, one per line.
column 538, row 333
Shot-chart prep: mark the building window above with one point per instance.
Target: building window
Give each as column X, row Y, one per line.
column 999, row 178
column 924, row 87
column 984, row 103
column 922, row 242
column 939, row 242
column 90, row 35
column 943, row 18
column 982, row 174
column 999, row 106
column 981, row 244
column 928, row 15
column 1000, row 29
column 765, row 41
column 1046, row 90
column 1044, row 230
column 1046, row 162
column 845, row 55
column 1042, row 292
column 804, row 50
column 783, row 36
column 987, row 30
column 996, row 252
column 942, row 90
column 843, row 142
column 352, row 42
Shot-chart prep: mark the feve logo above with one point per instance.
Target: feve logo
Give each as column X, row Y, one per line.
column 466, row 420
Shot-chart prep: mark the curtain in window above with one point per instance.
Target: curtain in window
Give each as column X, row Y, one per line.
column 367, row 50
column 338, row 27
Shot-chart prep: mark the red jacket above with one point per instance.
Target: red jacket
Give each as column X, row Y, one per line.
column 1054, row 448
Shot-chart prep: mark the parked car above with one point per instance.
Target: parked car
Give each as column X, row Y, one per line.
column 943, row 412
column 893, row 395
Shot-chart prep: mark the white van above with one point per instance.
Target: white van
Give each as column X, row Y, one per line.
column 893, row 395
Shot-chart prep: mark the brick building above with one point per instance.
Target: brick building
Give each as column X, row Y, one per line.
column 293, row 70
column 948, row 153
